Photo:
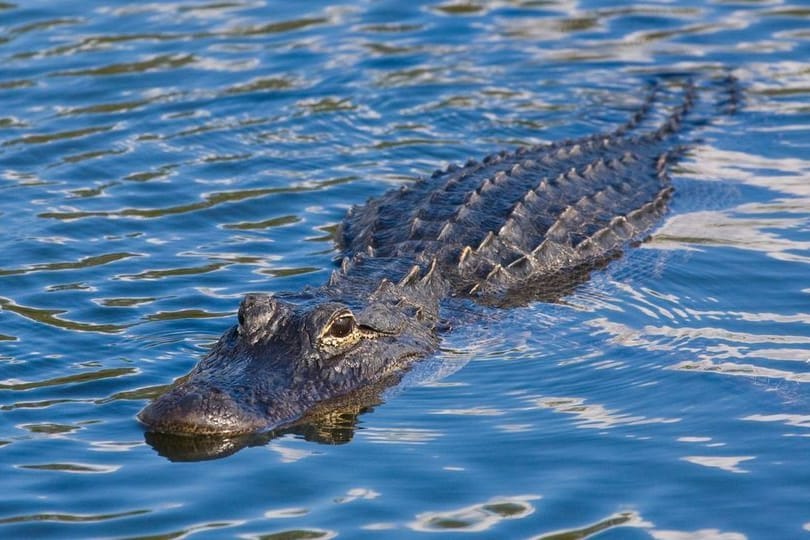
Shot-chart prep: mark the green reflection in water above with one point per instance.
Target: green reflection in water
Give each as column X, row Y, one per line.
column 660, row 35
column 173, row 272
column 585, row 532
column 328, row 104
column 266, row 224
column 68, row 287
column 160, row 62
column 161, row 172
column 296, row 534
column 18, row 83
column 106, row 108
column 263, row 84
column 387, row 50
column 49, row 317
column 58, row 136
column 11, row 122
column 183, row 314
column 84, row 156
column 96, row 43
column 392, row 27
column 126, row 302
column 184, row 533
column 286, row 272
column 788, row 12
column 227, row 157
column 71, row 518
column 50, row 429
column 86, row 262
column 38, row 404
column 476, row 517
column 277, row 28
column 72, row 468
column 460, row 8
column 43, row 25
column 209, row 201
column 415, row 141
column 77, row 378
column 140, row 394
column 578, row 24
column 216, row 6
column 505, row 509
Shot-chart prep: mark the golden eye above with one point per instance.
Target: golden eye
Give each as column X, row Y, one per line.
column 341, row 327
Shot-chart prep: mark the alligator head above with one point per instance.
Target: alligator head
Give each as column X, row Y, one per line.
column 286, row 360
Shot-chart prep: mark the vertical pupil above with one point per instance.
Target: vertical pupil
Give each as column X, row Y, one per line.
column 341, row 327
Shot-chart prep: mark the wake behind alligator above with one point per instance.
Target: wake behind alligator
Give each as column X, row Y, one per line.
column 516, row 227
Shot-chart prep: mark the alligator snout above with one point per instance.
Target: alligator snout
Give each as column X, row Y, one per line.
column 200, row 411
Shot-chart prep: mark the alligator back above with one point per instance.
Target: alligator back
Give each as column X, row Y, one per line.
column 522, row 225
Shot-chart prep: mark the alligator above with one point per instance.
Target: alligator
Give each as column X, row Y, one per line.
column 520, row 226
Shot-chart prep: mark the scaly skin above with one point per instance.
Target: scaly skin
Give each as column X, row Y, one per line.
column 516, row 227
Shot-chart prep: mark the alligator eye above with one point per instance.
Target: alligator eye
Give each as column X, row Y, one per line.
column 341, row 327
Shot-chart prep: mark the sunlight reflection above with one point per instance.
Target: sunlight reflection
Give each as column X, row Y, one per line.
column 726, row 463
column 594, row 415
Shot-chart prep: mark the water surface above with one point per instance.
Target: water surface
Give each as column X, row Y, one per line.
column 160, row 160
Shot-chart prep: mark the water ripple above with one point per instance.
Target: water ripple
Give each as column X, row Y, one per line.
column 158, row 160
column 478, row 517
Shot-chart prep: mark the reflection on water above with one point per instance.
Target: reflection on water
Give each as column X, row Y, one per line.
column 159, row 160
column 726, row 463
column 478, row 517
column 595, row 416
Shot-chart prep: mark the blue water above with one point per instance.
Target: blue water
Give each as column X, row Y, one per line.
column 160, row 160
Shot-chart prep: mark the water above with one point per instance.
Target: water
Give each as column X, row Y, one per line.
column 160, row 160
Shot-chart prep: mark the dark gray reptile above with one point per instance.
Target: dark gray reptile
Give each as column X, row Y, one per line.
column 515, row 227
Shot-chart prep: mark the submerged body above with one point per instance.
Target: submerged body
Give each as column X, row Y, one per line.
column 516, row 227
